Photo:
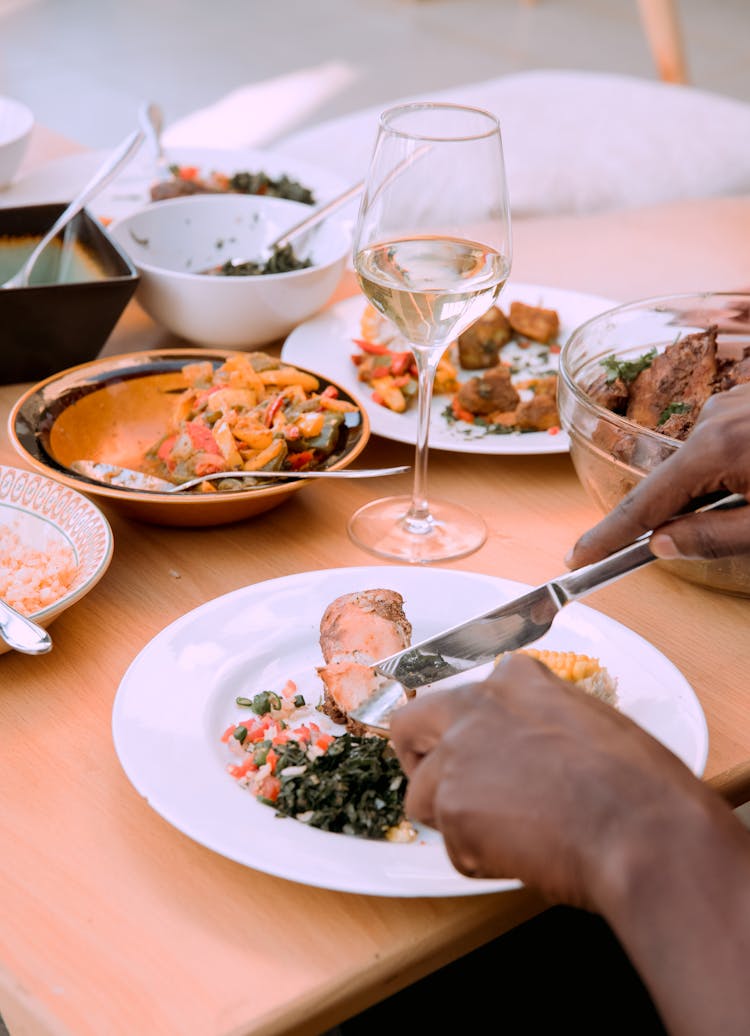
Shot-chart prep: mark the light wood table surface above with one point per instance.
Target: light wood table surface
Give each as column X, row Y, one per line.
column 114, row 922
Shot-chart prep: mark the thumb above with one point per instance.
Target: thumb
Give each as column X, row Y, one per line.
column 709, row 535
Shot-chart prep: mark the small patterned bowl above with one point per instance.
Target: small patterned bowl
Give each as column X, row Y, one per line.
column 43, row 515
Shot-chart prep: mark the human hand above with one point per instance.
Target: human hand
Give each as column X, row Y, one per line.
column 528, row 776
column 715, row 456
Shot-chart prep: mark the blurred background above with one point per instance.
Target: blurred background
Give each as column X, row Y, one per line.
column 84, row 66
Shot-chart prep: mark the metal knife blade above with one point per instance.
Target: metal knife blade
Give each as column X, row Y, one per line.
column 511, row 626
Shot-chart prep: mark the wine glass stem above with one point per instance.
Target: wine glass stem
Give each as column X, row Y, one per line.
column 427, row 362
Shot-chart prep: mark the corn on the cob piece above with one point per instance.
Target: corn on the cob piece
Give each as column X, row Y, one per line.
column 588, row 673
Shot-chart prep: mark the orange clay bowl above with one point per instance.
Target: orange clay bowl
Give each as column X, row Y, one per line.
column 113, row 409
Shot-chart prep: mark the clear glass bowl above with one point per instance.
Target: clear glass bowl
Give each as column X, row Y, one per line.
column 610, row 453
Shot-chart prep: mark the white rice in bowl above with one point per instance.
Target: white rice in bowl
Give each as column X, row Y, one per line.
column 34, row 571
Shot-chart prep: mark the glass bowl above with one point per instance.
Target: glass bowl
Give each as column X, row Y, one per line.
column 611, row 453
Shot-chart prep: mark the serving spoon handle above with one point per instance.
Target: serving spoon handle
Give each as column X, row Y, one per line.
column 22, row 633
column 130, row 478
column 100, row 179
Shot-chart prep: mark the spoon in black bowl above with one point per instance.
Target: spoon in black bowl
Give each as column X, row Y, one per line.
column 106, row 172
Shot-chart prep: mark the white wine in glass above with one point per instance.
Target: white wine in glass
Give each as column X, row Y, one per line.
column 432, row 251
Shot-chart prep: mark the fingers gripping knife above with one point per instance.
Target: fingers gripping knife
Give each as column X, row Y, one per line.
column 511, row 626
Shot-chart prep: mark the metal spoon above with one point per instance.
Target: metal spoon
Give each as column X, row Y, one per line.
column 101, row 178
column 294, row 232
column 151, row 119
column 22, row 633
column 128, row 478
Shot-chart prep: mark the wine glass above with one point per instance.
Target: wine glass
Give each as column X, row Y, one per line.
column 432, row 251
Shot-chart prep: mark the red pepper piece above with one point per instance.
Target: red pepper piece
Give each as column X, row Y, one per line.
column 373, row 348
column 460, row 413
column 273, row 409
column 301, row 459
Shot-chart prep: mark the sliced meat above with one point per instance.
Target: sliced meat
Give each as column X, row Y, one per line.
column 737, row 373
column 357, row 630
column 685, row 373
column 612, row 394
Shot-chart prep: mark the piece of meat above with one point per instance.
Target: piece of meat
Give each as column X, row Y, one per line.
column 535, row 322
column 612, row 394
column 493, row 391
column 539, row 413
column 685, row 373
column 736, row 373
column 479, row 346
column 356, row 630
column 178, row 188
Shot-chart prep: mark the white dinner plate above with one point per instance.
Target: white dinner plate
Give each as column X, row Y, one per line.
column 178, row 696
column 325, row 344
column 61, row 179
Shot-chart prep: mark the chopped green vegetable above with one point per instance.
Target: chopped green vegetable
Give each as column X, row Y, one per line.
column 356, row 787
column 298, row 700
column 262, row 183
column 673, row 408
column 627, row 370
column 263, row 702
column 240, row 733
column 282, row 260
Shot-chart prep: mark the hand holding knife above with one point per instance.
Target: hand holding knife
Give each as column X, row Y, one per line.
column 511, row 626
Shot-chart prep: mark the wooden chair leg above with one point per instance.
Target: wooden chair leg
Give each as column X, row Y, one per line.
column 661, row 23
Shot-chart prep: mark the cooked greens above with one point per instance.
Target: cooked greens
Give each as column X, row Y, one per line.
column 356, row 787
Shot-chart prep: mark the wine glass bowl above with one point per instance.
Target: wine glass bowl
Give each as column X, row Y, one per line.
column 432, row 251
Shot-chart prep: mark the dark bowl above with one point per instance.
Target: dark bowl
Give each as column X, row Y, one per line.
column 46, row 327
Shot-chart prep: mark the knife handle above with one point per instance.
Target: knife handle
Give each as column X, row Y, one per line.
column 582, row 581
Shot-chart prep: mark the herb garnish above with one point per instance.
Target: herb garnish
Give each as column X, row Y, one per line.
column 673, row 408
column 261, row 703
column 626, row 370
column 487, row 427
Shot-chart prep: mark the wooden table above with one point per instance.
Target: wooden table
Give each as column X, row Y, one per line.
column 116, row 923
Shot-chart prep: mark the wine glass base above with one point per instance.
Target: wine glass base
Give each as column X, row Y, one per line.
column 449, row 531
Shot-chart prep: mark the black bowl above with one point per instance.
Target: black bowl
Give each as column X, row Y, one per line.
column 47, row 327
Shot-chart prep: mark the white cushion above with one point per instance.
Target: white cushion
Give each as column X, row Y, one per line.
column 578, row 141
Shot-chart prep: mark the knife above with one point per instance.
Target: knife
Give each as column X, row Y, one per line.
column 511, row 626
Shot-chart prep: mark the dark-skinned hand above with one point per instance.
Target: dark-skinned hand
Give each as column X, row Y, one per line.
column 527, row 776
column 715, row 456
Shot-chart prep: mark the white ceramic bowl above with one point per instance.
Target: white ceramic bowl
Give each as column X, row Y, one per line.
column 170, row 241
column 16, row 123
column 44, row 515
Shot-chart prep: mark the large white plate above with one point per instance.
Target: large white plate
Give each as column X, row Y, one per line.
column 178, row 696
column 60, row 180
column 325, row 343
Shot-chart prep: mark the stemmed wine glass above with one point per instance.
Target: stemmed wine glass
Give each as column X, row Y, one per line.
column 432, row 251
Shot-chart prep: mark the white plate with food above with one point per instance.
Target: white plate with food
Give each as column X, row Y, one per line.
column 55, row 545
column 63, row 178
column 332, row 338
column 178, row 698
